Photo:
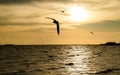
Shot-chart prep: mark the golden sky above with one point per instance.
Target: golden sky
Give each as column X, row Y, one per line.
column 24, row 22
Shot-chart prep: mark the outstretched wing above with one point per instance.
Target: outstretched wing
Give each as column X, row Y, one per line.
column 50, row 18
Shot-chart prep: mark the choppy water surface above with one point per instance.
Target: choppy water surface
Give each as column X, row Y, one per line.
column 60, row 60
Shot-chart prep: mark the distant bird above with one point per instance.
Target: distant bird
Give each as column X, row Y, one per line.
column 55, row 22
column 92, row 33
column 63, row 10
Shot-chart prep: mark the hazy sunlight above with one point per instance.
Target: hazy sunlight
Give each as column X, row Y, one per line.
column 78, row 13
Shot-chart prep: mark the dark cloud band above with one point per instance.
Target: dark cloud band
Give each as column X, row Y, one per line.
column 106, row 26
column 14, row 1
column 28, row 1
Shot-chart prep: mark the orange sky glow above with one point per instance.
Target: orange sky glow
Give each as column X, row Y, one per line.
column 24, row 22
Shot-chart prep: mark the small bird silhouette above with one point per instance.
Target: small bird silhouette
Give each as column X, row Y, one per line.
column 63, row 11
column 55, row 22
column 92, row 33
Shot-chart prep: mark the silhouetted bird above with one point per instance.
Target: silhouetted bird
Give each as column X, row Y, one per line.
column 92, row 33
column 55, row 22
column 63, row 10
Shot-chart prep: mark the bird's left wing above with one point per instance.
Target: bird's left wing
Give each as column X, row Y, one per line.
column 49, row 18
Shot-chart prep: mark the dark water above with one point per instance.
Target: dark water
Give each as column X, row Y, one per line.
column 59, row 60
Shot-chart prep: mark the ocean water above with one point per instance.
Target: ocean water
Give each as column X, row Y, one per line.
column 59, row 60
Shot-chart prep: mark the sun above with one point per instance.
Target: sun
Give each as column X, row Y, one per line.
column 78, row 13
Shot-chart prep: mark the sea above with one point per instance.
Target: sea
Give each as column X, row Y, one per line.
column 59, row 60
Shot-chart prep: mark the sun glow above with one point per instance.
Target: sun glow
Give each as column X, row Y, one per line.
column 78, row 13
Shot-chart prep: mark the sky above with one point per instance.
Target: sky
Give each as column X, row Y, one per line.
column 24, row 22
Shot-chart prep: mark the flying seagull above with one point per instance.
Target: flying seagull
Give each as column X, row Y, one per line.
column 55, row 22
column 92, row 33
column 63, row 11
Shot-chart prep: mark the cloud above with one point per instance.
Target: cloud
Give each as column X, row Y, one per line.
column 6, row 20
column 3, row 23
column 105, row 26
column 17, row 23
column 98, row 4
column 91, row 4
column 28, row 1
column 14, row 1
column 34, row 17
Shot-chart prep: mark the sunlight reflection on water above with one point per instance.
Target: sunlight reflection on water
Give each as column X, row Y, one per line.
column 78, row 56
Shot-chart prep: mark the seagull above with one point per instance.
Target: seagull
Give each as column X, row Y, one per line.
column 92, row 33
column 63, row 11
column 55, row 22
